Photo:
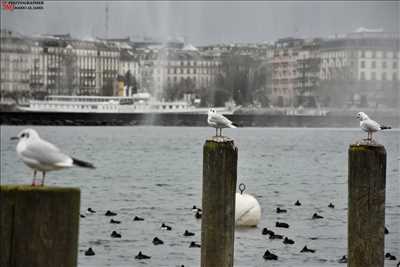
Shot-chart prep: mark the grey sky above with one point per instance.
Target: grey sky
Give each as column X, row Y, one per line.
column 205, row 22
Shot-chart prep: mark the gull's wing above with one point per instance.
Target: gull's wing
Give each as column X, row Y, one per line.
column 220, row 119
column 370, row 125
column 46, row 153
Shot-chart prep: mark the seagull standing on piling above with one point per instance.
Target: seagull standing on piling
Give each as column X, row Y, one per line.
column 43, row 156
column 369, row 126
column 218, row 121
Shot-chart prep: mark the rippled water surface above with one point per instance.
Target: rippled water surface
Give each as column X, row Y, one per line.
column 156, row 172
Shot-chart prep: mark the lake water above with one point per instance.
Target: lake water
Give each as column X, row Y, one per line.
column 156, row 173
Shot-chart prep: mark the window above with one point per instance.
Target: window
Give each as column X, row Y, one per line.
column 373, row 54
column 384, row 64
column 373, row 75
column 383, row 76
column 362, row 64
column 373, row 64
column 362, row 53
column 394, row 65
column 394, row 77
column 362, row 76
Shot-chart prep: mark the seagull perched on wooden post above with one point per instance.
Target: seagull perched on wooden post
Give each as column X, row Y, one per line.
column 370, row 126
column 43, row 156
column 219, row 121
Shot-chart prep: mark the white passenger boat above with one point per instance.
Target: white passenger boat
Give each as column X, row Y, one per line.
column 137, row 103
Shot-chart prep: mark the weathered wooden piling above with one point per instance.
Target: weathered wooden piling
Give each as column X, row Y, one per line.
column 218, row 202
column 39, row 226
column 366, row 204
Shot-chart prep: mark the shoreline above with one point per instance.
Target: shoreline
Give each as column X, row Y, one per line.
column 187, row 119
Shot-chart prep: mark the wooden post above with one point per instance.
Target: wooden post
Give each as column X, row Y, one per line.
column 218, row 202
column 39, row 226
column 366, row 212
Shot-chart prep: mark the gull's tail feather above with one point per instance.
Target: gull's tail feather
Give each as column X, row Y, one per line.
column 82, row 163
column 385, row 127
column 235, row 125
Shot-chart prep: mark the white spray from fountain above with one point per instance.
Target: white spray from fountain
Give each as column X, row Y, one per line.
column 162, row 23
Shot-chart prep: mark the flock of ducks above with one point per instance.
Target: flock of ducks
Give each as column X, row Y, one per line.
column 272, row 235
column 156, row 240
column 268, row 255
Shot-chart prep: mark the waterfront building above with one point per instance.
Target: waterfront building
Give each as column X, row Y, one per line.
column 66, row 66
column 360, row 69
column 307, row 80
column 165, row 68
column 284, row 70
column 129, row 69
column 15, row 63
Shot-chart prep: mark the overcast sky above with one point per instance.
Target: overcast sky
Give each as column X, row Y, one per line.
column 205, row 22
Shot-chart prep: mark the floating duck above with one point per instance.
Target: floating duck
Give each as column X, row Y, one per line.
column 317, row 216
column 266, row 231
column 141, row 256
column 115, row 221
column 136, row 218
column 91, row 210
column 274, row 236
column 270, row 256
column 114, row 234
column 165, row 227
column 390, row 256
column 281, row 225
column 343, row 259
column 194, row 245
column 89, row 252
column 157, row 241
column 198, row 214
column 279, row 210
column 306, row 249
column 386, row 231
column 110, row 213
column 195, row 209
column 288, row 241
column 187, row 233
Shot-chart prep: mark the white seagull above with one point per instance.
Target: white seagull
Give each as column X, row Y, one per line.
column 218, row 121
column 43, row 156
column 369, row 126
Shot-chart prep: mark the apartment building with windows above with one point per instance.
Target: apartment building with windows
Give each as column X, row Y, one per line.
column 284, row 71
column 164, row 68
column 361, row 69
column 15, row 62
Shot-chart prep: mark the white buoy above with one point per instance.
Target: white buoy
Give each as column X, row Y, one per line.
column 247, row 210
